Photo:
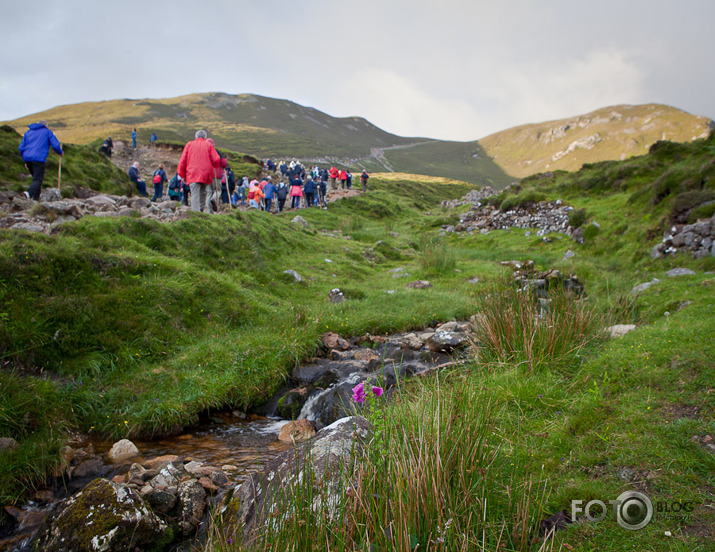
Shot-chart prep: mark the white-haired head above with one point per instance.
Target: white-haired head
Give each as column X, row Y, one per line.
column 200, row 134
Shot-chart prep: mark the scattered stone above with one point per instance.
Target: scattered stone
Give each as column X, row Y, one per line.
column 644, row 286
column 619, row 330
column 569, row 255
column 679, row 272
column 299, row 220
column 296, row 277
column 299, row 430
column 336, row 296
column 92, row 467
column 121, row 450
column 474, row 280
column 447, row 341
column 419, row 284
column 334, row 341
column 161, row 461
column 7, row 444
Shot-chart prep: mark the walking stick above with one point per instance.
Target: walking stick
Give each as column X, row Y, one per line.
column 59, row 174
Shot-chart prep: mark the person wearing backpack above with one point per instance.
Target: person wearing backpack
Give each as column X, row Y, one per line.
column 309, row 191
column 363, row 180
column 175, row 188
column 281, row 195
column 158, row 180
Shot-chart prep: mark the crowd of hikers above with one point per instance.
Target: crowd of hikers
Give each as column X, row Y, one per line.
column 205, row 181
column 203, row 178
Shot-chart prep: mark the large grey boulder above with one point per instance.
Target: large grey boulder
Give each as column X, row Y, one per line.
column 103, row 517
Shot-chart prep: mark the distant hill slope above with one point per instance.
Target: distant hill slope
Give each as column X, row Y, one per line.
column 267, row 127
column 611, row 133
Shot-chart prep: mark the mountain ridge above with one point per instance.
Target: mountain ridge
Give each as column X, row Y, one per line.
column 268, row 127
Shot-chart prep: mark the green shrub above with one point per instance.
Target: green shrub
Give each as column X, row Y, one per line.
column 437, row 256
column 590, row 232
column 577, row 218
column 686, row 202
column 706, row 210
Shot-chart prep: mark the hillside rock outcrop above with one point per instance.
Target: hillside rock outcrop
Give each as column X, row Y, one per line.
column 697, row 239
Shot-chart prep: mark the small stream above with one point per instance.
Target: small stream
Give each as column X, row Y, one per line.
column 240, row 444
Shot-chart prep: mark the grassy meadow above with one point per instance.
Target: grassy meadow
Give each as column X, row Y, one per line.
column 130, row 328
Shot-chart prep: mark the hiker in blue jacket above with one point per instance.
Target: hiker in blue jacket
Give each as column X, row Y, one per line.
column 269, row 190
column 134, row 177
column 158, row 180
column 34, row 148
column 309, row 189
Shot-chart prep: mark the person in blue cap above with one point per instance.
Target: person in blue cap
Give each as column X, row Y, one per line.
column 34, row 148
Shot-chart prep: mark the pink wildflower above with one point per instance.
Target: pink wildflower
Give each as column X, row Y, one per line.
column 377, row 391
column 359, row 393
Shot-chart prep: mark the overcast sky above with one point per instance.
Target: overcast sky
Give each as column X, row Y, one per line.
column 449, row 69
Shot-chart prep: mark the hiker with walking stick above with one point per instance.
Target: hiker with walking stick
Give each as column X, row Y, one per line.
column 34, row 148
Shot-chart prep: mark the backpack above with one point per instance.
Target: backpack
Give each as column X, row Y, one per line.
column 157, row 178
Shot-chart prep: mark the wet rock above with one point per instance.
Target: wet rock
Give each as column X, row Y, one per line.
column 446, row 342
column 411, row 341
column 192, row 503
column 160, row 461
column 167, row 477
column 290, row 404
column 102, row 517
column 266, row 497
column 161, row 501
column 121, row 450
column 294, row 432
column 334, row 341
column 93, row 467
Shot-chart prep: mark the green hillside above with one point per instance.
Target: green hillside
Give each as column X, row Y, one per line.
column 266, row 127
column 126, row 327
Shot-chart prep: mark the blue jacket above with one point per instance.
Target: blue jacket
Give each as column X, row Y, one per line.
column 35, row 145
column 309, row 187
column 134, row 174
column 269, row 189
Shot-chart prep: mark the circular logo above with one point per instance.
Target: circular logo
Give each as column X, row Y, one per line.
column 634, row 510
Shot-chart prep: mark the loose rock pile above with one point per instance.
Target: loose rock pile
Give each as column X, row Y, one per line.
column 20, row 213
column 697, row 238
column 473, row 197
column 129, row 504
column 545, row 217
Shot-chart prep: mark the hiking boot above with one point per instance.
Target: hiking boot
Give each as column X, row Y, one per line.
column 27, row 195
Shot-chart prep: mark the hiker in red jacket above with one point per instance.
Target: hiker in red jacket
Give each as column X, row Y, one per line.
column 343, row 177
column 333, row 174
column 197, row 166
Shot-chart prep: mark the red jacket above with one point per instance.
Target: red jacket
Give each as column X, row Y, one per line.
column 343, row 175
column 333, row 172
column 199, row 162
